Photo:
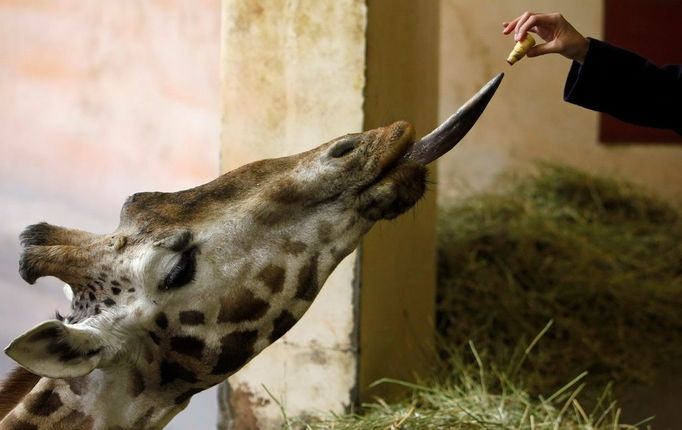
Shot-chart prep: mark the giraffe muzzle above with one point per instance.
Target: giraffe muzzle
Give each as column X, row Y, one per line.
column 450, row 132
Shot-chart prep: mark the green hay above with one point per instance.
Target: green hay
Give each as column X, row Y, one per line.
column 599, row 257
column 473, row 397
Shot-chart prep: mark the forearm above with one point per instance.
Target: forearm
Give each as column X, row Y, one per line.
column 627, row 86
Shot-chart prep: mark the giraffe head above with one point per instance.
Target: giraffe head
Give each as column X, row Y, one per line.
column 193, row 284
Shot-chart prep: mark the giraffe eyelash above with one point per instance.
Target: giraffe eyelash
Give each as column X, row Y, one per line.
column 183, row 272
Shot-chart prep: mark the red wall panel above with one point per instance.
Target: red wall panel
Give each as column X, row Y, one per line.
column 653, row 29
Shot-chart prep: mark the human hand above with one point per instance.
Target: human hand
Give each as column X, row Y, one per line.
column 559, row 35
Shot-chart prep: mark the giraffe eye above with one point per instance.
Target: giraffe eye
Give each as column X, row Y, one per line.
column 183, row 272
column 342, row 148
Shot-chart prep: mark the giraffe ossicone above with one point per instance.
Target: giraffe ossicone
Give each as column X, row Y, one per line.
column 193, row 284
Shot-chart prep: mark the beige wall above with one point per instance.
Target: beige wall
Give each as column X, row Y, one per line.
column 99, row 100
column 528, row 119
column 290, row 85
column 296, row 74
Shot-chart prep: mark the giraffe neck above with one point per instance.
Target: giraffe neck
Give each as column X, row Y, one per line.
column 100, row 400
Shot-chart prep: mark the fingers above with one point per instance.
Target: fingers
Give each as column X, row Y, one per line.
column 550, row 47
column 509, row 26
column 528, row 22
column 532, row 21
column 520, row 23
column 560, row 36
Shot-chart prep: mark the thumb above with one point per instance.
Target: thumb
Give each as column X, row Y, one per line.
column 542, row 49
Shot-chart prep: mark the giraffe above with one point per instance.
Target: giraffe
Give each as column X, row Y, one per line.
column 195, row 283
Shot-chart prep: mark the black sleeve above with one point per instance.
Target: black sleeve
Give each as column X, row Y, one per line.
column 627, row 86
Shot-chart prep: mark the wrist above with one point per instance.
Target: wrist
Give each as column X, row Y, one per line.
column 581, row 50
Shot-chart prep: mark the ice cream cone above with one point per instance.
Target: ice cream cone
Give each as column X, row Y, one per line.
column 520, row 49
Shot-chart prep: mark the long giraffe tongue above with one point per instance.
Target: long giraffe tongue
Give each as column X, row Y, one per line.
column 446, row 136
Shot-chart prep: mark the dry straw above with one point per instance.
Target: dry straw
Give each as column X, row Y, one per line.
column 600, row 259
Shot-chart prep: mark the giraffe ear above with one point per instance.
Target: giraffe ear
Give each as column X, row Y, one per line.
column 57, row 350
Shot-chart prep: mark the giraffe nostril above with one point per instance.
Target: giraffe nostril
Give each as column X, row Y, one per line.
column 342, row 148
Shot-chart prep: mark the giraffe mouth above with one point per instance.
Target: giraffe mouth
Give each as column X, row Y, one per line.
column 402, row 179
column 449, row 133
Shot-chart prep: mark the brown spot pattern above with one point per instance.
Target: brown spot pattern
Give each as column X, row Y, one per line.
column 294, row 247
column 241, row 306
column 187, row 345
column 20, row 425
column 273, row 277
column 235, row 350
column 191, row 317
column 281, row 325
column 270, row 214
column 64, row 350
column 14, row 387
column 136, row 382
column 161, row 320
column 154, row 337
column 150, row 210
column 351, row 223
column 287, row 192
column 144, row 419
column 307, row 280
column 43, row 403
column 182, row 398
column 45, row 334
column 340, row 254
column 324, row 232
column 171, row 371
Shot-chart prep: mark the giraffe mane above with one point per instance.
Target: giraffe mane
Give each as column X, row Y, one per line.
column 14, row 387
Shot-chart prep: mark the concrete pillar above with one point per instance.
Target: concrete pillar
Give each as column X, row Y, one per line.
column 295, row 74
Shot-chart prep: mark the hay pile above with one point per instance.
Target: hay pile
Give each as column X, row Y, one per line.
column 466, row 400
column 600, row 258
